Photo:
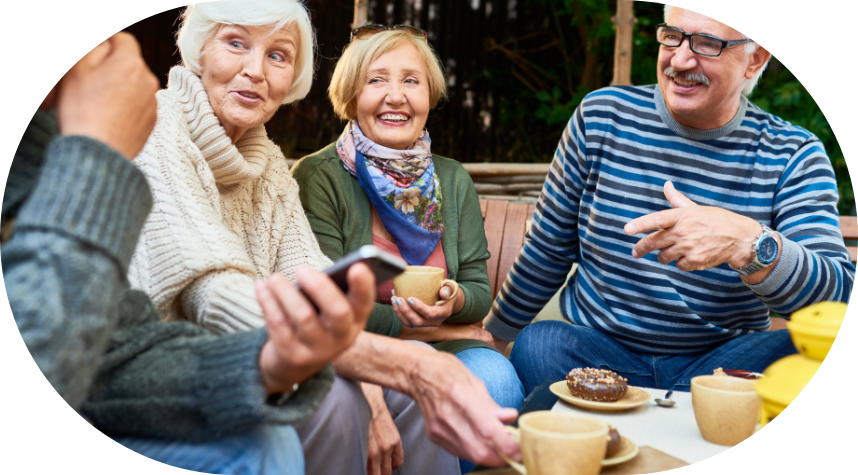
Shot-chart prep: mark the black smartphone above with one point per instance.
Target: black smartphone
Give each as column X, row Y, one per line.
column 384, row 265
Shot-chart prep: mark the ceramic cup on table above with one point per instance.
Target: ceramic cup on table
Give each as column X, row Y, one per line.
column 424, row 283
column 727, row 409
column 555, row 443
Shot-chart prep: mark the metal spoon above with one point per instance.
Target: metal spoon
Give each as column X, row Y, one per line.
column 666, row 402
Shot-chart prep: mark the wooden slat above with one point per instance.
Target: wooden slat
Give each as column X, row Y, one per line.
column 778, row 324
column 504, row 169
column 494, row 225
column 531, row 209
column 483, row 205
column 513, row 239
column 849, row 227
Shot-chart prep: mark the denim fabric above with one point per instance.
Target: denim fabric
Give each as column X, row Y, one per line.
column 499, row 377
column 266, row 449
column 550, row 349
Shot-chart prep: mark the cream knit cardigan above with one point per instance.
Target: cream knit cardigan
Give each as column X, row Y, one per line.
column 224, row 215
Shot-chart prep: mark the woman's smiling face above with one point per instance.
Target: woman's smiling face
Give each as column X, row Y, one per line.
column 393, row 104
column 247, row 72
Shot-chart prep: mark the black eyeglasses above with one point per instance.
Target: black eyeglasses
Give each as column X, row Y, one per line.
column 700, row 43
column 366, row 31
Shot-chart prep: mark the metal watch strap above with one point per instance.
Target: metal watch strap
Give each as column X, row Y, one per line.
column 755, row 265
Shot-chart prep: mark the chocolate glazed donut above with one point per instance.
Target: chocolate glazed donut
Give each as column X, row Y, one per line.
column 596, row 384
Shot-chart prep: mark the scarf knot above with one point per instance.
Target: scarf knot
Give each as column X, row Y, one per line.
column 403, row 187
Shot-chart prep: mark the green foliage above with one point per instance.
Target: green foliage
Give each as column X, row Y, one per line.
column 571, row 54
column 553, row 110
column 567, row 55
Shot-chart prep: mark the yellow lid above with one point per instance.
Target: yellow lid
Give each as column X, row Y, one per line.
column 823, row 318
column 785, row 378
column 814, row 328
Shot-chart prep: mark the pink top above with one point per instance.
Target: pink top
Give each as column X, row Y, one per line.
column 436, row 259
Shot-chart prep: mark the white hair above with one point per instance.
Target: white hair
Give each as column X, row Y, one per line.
column 750, row 48
column 201, row 21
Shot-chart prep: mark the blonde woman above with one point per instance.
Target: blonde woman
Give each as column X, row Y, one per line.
column 379, row 183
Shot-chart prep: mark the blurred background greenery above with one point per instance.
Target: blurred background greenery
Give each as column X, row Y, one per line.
column 548, row 87
column 516, row 70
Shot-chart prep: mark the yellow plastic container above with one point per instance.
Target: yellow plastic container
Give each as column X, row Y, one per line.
column 822, row 380
column 827, row 331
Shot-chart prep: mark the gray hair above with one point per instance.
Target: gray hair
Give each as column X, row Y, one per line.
column 201, row 21
column 750, row 48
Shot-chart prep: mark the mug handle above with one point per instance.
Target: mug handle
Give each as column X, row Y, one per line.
column 516, row 435
column 455, row 291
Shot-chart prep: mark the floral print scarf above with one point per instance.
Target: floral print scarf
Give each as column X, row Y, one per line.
column 403, row 187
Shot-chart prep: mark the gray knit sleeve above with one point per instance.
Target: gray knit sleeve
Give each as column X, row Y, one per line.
column 65, row 264
column 177, row 380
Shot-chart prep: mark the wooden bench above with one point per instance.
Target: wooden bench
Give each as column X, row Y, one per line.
column 506, row 223
column 849, row 230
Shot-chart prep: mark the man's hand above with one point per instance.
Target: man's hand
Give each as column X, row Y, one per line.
column 413, row 313
column 458, row 412
column 385, row 445
column 109, row 95
column 302, row 340
column 696, row 237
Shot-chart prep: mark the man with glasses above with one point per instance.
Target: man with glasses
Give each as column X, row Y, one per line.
column 691, row 213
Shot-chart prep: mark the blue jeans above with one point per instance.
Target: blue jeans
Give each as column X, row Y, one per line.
column 262, row 450
column 550, row 349
column 500, row 378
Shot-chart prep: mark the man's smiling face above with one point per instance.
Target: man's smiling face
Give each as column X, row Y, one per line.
column 701, row 91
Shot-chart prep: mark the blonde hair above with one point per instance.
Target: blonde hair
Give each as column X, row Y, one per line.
column 750, row 48
column 202, row 21
column 350, row 73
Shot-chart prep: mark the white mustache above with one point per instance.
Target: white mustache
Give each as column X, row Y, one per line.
column 691, row 77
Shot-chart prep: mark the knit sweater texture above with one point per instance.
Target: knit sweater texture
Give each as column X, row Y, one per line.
column 224, row 215
column 617, row 152
column 340, row 214
column 77, row 207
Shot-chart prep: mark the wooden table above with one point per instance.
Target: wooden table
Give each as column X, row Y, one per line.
column 670, row 430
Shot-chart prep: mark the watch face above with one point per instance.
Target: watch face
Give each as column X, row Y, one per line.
column 767, row 249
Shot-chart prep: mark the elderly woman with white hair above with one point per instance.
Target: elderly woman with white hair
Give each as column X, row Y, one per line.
column 226, row 211
column 226, row 214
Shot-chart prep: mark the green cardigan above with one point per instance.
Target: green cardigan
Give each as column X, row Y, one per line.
column 340, row 214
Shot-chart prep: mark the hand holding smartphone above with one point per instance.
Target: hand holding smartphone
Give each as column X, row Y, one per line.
column 384, row 265
column 304, row 334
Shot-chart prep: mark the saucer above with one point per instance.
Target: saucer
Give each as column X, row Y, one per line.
column 634, row 397
column 628, row 450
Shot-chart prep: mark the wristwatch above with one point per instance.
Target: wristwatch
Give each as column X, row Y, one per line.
column 764, row 251
column 282, row 398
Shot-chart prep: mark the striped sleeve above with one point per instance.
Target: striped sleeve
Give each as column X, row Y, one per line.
column 551, row 246
column 814, row 264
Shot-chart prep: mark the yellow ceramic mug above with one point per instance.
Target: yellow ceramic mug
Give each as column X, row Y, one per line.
column 424, row 283
column 555, row 443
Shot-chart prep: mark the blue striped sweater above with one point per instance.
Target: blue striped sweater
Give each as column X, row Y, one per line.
column 614, row 157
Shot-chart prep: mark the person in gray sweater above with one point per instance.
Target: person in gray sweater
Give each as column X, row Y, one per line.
column 72, row 211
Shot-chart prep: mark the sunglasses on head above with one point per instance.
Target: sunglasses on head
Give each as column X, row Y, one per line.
column 366, row 31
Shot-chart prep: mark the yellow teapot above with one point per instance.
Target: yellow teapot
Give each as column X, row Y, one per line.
column 813, row 330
